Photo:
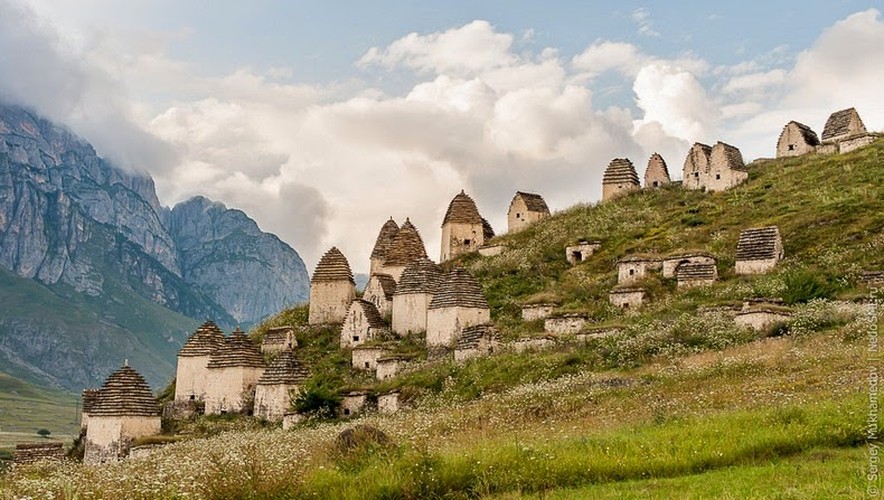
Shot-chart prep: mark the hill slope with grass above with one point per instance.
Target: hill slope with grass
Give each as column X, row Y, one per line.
column 675, row 403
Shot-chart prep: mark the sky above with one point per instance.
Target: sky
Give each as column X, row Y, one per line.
column 323, row 119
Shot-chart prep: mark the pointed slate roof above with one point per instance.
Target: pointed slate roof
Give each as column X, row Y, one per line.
column 732, row 155
column 204, row 341
column 838, row 123
column 406, row 247
column 656, row 166
column 487, row 230
column 462, row 209
column 807, row 133
column 385, row 238
column 459, row 289
column 285, row 369
column 620, row 170
column 759, row 243
column 125, row 394
column 372, row 316
column 388, row 284
column 238, row 351
column 333, row 266
column 534, row 202
column 421, row 276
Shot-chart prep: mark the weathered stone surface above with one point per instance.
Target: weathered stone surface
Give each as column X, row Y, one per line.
column 525, row 209
column 657, row 174
column 620, row 177
column 575, row 254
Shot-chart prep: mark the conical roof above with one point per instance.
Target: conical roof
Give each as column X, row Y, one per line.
column 124, row 394
column 285, row 369
column 462, row 209
column 620, row 170
column 487, row 230
column 204, row 341
column 333, row 266
column 459, row 289
column 406, row 247
column 421, row 276
column 807, row 133
column 385, row 238
column 388, row 284
column 238, row 350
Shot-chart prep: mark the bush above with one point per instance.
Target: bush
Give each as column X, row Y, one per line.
column 804, row 285
column 318, row 399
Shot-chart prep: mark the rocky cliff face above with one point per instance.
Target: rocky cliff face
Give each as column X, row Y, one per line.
column 225, row 255
column 72, row 221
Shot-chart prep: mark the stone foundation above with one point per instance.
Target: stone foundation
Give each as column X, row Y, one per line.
column 352, row 403
column 575, row 254
column 31, row 453
column 755, row 266
column 388, row 367
column 627, row 298
column 760, row 318
column 533, row 344
column 108, row 438
column 290, row 420
column 388, row 403
column 531, row 312
column 491, row 250
column 366, row 358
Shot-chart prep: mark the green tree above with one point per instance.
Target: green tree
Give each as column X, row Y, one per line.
column 43, row 433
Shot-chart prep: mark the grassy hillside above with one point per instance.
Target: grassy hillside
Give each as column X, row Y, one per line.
column 42, row 328
column 675, row 404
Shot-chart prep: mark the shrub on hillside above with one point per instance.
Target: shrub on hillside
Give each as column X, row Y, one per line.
column 804, row 285
column 318, row 399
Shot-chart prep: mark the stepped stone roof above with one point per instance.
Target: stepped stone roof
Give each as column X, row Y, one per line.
column 620, row 170
column 487, row 230
column 758, row 243
column 204, row 341
column 285, row 369
column 690, row 253
column 372, row 316
column 238, row 350
column 421, row 276
column 657, row 163
column 839, row 123
column 695, row 271
column 732, row 155
column 90, row 396
column 471, row 336
column 125, row 394
column 639, row 258
column 809, row 135
column 333, row 266
column 459, row 289
column 462, row 209
column 534, row 202
column 406, row 247
column 388, row 284
column 385, row 238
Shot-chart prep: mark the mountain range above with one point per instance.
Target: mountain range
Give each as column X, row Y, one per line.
column 94, row 270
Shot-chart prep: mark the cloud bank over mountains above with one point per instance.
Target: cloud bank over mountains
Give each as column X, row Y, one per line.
column 326, row 164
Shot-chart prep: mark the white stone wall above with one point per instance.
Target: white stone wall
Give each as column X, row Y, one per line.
column 329, row 301
column 410, row 312
column 388, row 368
column 374, row 293
column 355, row 330
column 109, row 438
column 226, row 388
column 273, row 401
column 564, row 325
column 755, row 266
column 352, row 404
column 395, row 272
column 683, row 283
column 760, row 319
column 444, row 325
column 519, row 217
column 458, row 238
column 531, row 312
column 611, row 191
column 523, row 345
column 190, row 378
column 491, row 251
column 722, row 178
column 388, row 403
column 696, row 167
column 576, row 254
column 633, row 271
column 290, row 420
column 849, row 145
column 367, row 358
column 792, row 142
column 631, row 300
